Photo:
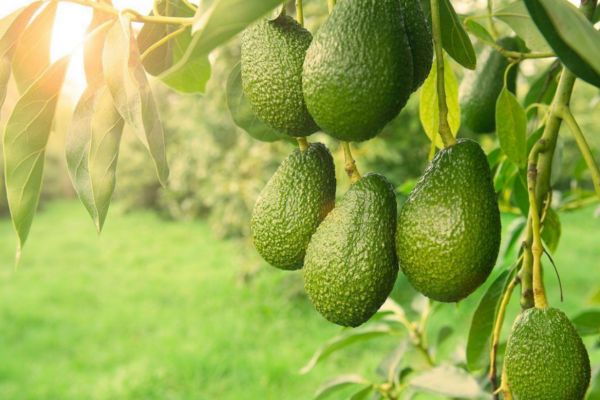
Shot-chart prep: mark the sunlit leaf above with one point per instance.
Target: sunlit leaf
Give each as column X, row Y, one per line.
column 511, row 127
column 571, row 36
column 132, row 94
column 214, row 25
column 482, row 324
column 190, row 78
column 94, row 46
column 92, row 150
column 449, row 381
column 11, row 29
column 32, row 54
column 338, row 383
column 454, row 38
column 551, row 230
column 25, row 139
column 345, row 339
column 428, row 103
column 241, row 111
column 517, row 17
column 363, row 393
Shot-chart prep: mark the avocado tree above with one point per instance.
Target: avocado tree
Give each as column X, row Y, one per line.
column 378, row 268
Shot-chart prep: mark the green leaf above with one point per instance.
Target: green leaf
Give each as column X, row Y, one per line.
column 450, row 381
column 511, row 127
column 482, row 324
column 132, row 94
column 32, row 54
column 517, row 17
column 92, row 150
column 11, row 29
column 192, row 77
column 588, row 323
column 515, row 230
column 479, row 31
column 25, row 139
column 571, row 36
column 241, row 111
column 594, row 393
column 551, row 230
column 337, row 384
column 362, row 393
column 454, row 38
column 505, row 174
column 94, row 46
column 216, row 24
column 345, row 339
column 428, row 103
column 520, row 194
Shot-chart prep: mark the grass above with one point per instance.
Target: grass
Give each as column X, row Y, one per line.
column 154, row 309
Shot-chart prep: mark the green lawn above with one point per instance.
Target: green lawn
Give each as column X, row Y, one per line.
column 154, row 309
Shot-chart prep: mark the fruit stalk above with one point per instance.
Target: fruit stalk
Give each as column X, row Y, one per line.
column 350, row 166
column 584, row 147
column 444, row 127
column 330, row 5
column 544, row 164
column 299, row 12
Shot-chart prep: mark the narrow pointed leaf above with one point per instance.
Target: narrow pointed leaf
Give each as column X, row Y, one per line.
column 92, row 150
column 94, row 46
column 511, row 127
column 479, row 31
column 588, row 323
column 454, row 38
column 517, row 17
column 552, row 230
column 337, row 384
column 132, row 93
column 482, row 324
column 571, row 36
column 343, row 340
column 428, row 104
column 449, row 381
column 25, row 139
column 213, row 26
column 10, row 31
column 32, row 54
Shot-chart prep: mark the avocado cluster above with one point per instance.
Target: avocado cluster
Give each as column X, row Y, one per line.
column 351, row 80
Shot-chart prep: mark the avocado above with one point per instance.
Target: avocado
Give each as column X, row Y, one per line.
column 480, row 88
column 272, row 56
column 545, row 357
column 448, row 234
column 358, row 71
column 350, row 264
column 291, row 206
column 420, row 40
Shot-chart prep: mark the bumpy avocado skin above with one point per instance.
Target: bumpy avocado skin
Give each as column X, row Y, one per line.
column 358, row 71
column 480, row 88
column 420, row 40
column 272, row 57
column 448, row 234
column 292, row 205
column 545, row 357
column 350, row 265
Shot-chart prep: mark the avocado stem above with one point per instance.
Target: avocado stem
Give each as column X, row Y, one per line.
column 330, row 5
column 302, row 143
column 444, row 126
column 350, row 166
column 537, row 249
column 299, row 12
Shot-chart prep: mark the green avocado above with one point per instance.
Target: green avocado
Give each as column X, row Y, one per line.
column 480, row 88
column 350, row 265
column 545, row 357
column 272, row 56
column 292, row 205
column 418, row 32
column 358, row 71
column 448, row 234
